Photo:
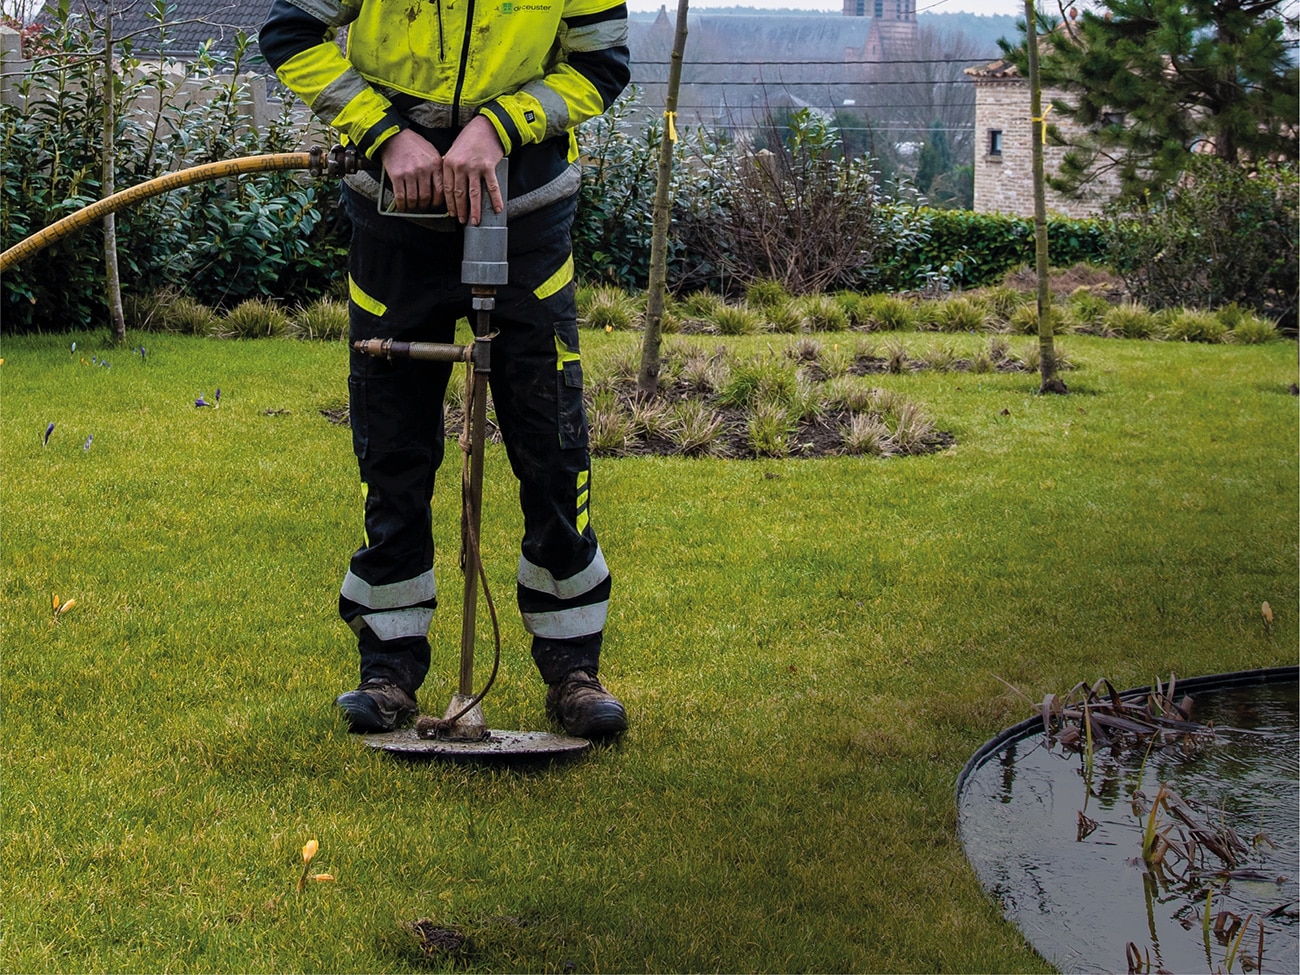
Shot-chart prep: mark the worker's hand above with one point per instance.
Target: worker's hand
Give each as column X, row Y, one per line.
column 469, row 163
column 415, row 168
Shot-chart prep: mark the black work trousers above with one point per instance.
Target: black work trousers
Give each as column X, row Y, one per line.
column 405, row 284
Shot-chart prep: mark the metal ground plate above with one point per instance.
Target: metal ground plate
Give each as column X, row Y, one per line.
column 499, row 746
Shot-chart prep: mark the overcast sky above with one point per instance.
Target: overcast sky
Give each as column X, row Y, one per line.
column 1011, row 7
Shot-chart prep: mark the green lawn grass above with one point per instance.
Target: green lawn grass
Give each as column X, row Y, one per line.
column 810, row 650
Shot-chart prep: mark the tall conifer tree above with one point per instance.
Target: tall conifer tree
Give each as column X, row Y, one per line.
column 1155, row 80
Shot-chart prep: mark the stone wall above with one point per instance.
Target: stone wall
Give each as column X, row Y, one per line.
column 1004, row 181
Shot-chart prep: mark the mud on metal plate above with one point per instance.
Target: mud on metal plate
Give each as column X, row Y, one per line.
column 499, row 746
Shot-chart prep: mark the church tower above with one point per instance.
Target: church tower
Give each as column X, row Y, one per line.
column 892, row 35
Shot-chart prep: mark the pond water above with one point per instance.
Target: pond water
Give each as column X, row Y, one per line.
column 1082, row 897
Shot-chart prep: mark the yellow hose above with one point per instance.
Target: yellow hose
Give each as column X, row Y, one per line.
column 314, row 160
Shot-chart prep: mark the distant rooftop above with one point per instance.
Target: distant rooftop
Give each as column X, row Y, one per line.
column 191, row 24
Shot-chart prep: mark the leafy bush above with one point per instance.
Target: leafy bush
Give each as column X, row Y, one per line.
column 1221, row 235
column 217, row 242
column 615, row 218
column 801, row 213
column 979, row 248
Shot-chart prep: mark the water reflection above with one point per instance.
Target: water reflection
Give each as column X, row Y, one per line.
column 1085, row 897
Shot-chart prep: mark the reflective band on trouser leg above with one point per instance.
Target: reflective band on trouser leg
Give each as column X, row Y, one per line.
column 564, row 609
column 392, row 611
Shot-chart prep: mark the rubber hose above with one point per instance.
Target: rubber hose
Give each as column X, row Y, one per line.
column 162, row 184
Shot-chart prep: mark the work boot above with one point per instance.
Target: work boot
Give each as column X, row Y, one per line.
column 584, row 707
column 377, row 705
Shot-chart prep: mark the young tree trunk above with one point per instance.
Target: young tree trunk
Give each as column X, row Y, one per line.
column 647, row 381
column 1051, row 383
column 117, row 321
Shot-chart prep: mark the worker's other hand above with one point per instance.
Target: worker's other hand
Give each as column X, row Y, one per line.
column 414, row 167
column 468, row 165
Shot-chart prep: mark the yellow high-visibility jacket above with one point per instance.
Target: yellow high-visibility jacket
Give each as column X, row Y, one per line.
column 534, row 68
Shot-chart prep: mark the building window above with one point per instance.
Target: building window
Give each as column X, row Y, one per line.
column 995, row 142
column 878, row 11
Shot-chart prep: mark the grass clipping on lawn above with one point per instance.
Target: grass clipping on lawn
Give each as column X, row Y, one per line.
column 809, row 650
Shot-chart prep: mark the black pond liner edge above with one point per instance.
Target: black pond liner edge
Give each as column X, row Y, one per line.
column 1190, row 685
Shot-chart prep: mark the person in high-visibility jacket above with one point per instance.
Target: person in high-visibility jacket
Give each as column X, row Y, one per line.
column 438, row 91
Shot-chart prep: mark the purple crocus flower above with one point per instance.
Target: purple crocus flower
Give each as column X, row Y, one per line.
column 86, row 445
column 218, row 396
column 48, row 430
column 201, row 401
column 142, row 353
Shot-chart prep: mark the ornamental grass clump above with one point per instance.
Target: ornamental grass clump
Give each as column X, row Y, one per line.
column 611, row 429
column 168, row 311
column 607, row 307
column 867, row 435
column 1002, row 300
column 323, row 320
column 1245, row 327
column 705, row 373
column 253, row 318
column 702, row 305
column 822, row 313
column 943, row 358
column 649, row 417
column 784, row 318
column 896, row 357
column 887, row 313
column 962, row 314
column 766, row 294
column 805, row 350
column 835, row 360
column 766, row 378
column 1024, row 320
column 1192, row 325
column 737, row 320
column 1085, row 311
column 694, row 428
column 848, row 394
column 851, row 302
column 769, row 430
column 912, row 426
column 1130, row 321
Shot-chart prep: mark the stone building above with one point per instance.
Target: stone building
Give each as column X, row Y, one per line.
column 892, row 34
column 1004, row 151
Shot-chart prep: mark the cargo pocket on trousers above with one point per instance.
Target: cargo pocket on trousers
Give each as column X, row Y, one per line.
column 357, row 416
column 572, row 415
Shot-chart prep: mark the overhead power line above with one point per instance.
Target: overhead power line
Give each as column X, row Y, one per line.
column 789, row 82
column 976, row 59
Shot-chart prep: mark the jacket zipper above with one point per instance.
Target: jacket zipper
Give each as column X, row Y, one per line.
column 464, row 61
column 442, row 48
